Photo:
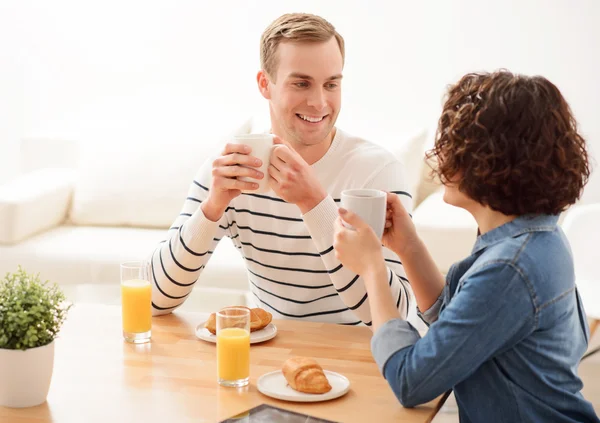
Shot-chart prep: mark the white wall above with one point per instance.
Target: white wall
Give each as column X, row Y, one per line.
column 165, row 69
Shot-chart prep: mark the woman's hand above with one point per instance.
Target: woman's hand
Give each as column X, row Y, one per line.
column 357, row 249
column 400, row 233
column 360, row 250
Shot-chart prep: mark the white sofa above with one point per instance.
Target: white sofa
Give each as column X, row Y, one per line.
column 79, row 209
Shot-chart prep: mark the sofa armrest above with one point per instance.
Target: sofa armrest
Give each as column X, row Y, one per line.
column 34, row 202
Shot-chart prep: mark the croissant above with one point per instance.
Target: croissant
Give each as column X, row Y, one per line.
column 259, row 319
column 305, row 375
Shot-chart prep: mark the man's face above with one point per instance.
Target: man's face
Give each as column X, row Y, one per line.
column 305, row 100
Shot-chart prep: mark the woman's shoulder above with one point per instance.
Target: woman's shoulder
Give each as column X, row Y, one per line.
column 542, row 259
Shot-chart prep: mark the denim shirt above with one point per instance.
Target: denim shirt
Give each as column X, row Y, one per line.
column 507, row 332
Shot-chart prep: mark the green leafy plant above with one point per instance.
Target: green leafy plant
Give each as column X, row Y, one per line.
column 31, row 312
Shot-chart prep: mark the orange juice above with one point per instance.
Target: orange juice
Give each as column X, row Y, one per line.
column 136, row 299
column 233, row 354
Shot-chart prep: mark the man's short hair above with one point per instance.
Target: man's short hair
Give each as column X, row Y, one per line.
column 295, row 28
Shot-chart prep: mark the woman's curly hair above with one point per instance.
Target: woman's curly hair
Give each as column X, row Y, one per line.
column 511, row 143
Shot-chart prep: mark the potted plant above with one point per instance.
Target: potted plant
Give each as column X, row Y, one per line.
column 31, row 315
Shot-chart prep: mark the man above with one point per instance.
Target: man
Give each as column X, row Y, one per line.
column 286, row 237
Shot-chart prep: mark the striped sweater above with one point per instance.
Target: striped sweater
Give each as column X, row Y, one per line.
column 292, row 268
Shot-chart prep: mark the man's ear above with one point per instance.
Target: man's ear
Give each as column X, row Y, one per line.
column 263, row 84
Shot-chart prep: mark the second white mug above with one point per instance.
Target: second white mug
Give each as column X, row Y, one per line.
column 369, row 204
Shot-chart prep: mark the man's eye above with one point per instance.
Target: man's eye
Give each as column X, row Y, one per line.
column 301, row 84
column 332, row 86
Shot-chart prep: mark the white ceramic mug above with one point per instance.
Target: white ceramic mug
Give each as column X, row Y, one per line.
column 369, row 204
column 262, row 146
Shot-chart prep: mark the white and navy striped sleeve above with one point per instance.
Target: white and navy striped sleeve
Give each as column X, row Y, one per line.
column 320, row 223
column 177, row 262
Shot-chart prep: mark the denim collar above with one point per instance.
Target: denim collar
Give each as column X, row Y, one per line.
column 519, row 226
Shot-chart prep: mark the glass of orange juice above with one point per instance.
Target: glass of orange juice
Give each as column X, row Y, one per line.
column 233, row 346
column 136, row 301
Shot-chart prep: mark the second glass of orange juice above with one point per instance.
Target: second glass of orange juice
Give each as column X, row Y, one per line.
column 233, row 346
column 136, row 301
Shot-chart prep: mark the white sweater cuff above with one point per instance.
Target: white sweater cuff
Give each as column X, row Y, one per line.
column 198, row 231
column 320, row 222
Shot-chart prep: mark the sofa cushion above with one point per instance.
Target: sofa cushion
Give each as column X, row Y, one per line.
column 91, row 255
column 139, row 182
column 34, row 202
column 411, row 152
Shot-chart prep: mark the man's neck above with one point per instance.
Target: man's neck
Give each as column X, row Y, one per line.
column 313, row 153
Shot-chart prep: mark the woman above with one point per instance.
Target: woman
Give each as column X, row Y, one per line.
column 507, row 327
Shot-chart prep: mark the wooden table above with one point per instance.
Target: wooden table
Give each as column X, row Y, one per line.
column 100, row 378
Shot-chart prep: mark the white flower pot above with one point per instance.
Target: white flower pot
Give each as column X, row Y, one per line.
column 25, row 376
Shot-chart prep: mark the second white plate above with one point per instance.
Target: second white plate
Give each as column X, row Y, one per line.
column 275, row 385
column 268, row 332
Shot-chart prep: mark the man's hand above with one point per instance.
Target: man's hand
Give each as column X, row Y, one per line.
column 293, row 180
column 235, row 161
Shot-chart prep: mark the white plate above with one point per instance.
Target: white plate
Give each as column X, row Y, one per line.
column 268, row 332
column 275, row 385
